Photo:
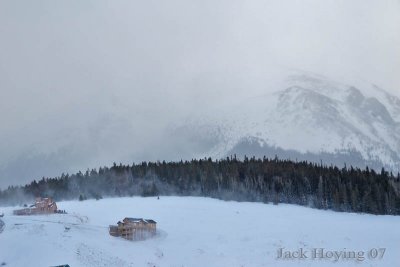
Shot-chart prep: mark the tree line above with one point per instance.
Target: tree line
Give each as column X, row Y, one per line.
column 265, row 180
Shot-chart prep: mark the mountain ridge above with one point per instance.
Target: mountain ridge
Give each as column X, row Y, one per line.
column 308, row 117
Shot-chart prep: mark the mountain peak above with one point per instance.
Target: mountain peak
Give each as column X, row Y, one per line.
column 311, row 117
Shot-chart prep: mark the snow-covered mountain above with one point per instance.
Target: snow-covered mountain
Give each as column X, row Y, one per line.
column 306, row 117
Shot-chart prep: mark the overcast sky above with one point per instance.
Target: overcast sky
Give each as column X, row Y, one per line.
column 86, row 83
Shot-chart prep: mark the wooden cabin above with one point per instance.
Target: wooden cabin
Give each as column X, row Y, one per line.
column 134, row 228
column 41, row 206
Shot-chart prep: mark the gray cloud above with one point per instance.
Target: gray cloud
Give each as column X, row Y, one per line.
column 91, row 82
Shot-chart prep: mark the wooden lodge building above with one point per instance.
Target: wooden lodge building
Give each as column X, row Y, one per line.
column 134, row 229
column 41, row 206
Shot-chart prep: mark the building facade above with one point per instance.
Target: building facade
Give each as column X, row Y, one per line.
column 134, row 228
column 41, row 206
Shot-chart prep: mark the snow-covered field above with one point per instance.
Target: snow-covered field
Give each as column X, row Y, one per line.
column 196, row 232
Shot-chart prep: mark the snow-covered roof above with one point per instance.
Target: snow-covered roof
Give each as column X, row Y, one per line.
column 137, row 220
column 133, row 219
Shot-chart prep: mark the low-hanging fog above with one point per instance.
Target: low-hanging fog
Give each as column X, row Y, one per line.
column 87, row 83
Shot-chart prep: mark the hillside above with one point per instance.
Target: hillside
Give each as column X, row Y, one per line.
column 194, row 232
column 305, row 116
column 260, row 180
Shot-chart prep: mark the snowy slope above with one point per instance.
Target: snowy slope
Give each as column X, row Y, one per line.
column 194, row 232
column 309, row 117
